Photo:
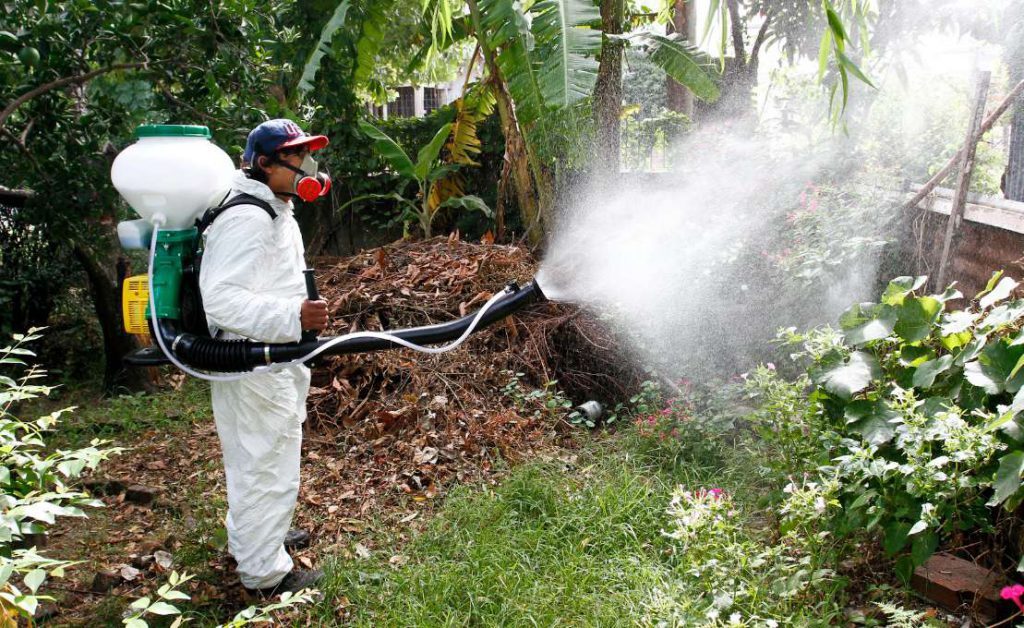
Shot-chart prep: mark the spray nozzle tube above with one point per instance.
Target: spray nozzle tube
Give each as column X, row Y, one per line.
column 233, row 358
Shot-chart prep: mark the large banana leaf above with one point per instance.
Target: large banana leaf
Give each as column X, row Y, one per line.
column 389, row 150
column 323, row 46
column 428, row 154
column 521, row 76
column 503, row 21
column 682, row 61
column 549, row 60
column 567, row 49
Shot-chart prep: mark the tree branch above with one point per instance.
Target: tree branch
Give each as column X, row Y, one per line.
column 78, row 79
column 762, row 33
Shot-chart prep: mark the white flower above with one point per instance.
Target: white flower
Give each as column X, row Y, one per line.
column 735, row 618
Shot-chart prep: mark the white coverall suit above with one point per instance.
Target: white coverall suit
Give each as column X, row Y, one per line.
column 252, row 287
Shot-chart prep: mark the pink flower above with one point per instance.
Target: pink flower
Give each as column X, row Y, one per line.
column 651, row 420
column 714, row 493
column 1013, row 592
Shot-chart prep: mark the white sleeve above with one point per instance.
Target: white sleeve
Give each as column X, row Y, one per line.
column 237, row 245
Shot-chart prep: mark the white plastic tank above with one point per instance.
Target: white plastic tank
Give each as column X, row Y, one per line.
column 173, row 171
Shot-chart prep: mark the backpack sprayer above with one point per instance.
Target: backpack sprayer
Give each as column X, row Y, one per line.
column 170, row 177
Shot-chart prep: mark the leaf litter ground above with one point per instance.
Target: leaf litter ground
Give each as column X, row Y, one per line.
column 387, row 433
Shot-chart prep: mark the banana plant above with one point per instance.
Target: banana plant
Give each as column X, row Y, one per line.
column 427, row 171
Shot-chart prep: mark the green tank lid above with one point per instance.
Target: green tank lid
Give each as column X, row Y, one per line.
column 172, row 130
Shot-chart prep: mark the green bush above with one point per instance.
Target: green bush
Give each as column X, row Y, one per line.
column 911, row 412
column 360, row 171
column 35, row 482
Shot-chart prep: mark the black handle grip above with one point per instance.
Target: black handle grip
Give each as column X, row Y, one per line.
column 311, row 292
column 312, row 295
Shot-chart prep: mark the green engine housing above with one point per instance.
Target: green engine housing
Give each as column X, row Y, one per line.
column 175, row 250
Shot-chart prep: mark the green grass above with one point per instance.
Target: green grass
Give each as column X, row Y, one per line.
column 119, row 417
column 577, row 545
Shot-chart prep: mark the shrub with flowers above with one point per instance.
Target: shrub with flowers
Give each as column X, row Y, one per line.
column 726, row 573
column 675, row 430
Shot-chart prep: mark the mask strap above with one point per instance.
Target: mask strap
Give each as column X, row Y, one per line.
column 281, row 162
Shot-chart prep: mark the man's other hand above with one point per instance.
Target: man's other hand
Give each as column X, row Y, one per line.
column 313, row 315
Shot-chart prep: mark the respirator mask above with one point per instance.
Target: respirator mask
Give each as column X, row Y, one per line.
column 310, row 183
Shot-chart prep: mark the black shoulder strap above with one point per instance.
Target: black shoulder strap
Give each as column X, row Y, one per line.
column 240, row 199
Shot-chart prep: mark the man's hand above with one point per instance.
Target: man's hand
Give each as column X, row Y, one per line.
column 313, row 315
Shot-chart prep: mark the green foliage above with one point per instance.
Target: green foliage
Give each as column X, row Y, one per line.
column 566, row 47
column 323, row 46
column 36, row 483
column 643, row 85
column 162, row 605
column 829, row 230
column 546, row 402
column 643, row 139
column 425, row 172
column 729, row 574
column 913, row 411
column 682, row 61
column 672, row 432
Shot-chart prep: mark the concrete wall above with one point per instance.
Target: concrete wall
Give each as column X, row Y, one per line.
column 991, row 238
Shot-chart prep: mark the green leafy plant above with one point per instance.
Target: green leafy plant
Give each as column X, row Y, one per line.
column 265, row 614
column 162, row 605
column 546, row 402
column 159, row 605
column 426, row 172
column 912, row 409
column 35, row 482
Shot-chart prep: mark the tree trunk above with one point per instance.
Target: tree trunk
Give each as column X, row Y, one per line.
column 516, row 154
column 684, row 21
column 608, row 94
column 116, row 342
column 518, row 161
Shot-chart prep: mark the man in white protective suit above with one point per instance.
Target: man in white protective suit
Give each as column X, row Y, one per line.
column 253, row 287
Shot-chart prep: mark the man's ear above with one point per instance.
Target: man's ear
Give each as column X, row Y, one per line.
column 262, row 162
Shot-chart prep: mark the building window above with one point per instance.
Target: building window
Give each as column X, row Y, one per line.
column 403, row 106
column 433, row 98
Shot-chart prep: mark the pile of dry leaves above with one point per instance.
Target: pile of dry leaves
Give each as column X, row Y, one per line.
column 420, row 420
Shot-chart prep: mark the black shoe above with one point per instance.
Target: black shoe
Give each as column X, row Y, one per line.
column 296, row 539
column 296, row 580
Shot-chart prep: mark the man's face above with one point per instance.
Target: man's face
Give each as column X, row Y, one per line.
column 281, row 180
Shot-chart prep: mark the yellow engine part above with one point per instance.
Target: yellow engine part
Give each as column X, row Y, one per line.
column 134, row 301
